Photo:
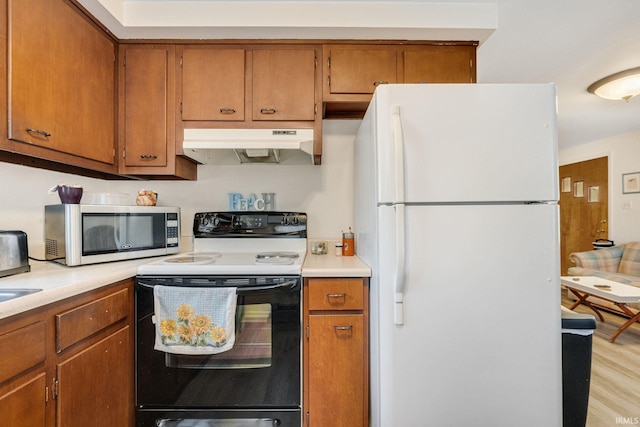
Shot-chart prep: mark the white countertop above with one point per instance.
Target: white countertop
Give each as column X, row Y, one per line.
column 59, row 282
column 330, row 265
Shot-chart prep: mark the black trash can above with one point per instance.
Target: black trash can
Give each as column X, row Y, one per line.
column 577, row 338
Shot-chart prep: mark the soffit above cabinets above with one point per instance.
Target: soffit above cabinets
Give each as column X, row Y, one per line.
column 346, row 19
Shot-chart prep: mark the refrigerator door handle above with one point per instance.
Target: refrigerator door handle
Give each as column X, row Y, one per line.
column 398, row 143
column 398, row 287
column 398, row 138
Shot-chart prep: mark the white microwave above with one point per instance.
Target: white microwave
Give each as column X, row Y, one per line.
column 78, row 234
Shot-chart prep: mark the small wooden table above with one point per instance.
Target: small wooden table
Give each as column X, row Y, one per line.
column 620, row 294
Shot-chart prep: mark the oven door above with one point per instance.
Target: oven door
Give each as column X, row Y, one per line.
column 261, row 371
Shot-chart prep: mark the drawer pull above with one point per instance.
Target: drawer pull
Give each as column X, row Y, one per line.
column 343, row 328
column 227, row 111
column 336, row 295
column 148, row 157
column 380, row 82
column 38, row 131
column 267, row 111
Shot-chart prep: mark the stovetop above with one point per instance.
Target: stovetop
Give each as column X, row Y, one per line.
column 239, row 243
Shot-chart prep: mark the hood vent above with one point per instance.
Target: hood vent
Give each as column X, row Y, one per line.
column 239, row 146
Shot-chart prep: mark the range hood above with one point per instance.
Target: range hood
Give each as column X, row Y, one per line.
column 238, row 146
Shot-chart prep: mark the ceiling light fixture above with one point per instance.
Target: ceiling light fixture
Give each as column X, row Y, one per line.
column 623, row 85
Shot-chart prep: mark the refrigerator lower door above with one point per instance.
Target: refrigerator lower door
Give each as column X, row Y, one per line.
column 480, row 343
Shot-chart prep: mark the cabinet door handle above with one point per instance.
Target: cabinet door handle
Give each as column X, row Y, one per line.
column 342, row 328
column 267, row 111
column 227, row 111
column 380, row 82
column 148, row 157
column 336, row 295
column 38, row 131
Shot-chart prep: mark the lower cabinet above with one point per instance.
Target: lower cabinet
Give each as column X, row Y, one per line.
column 23, row 378
column 109, row 401
column 70, row 363
column 336, row 362
column 25, row 405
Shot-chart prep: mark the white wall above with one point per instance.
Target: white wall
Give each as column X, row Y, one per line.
column 624, row 157
column 324, row 192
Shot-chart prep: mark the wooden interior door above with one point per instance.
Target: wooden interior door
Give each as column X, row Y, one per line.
column 583, row 209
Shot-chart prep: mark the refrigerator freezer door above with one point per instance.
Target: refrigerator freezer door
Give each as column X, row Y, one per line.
column 467, row 143
column 481, row 341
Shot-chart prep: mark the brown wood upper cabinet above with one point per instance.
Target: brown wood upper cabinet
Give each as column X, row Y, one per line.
column 147, row 99
column 252, row 86
column 439, row 64
column 61, row 85
column 359, row 70
column 273, row 83
column 213, row 83
column 284, row 84
column 353, row 71
column 147, row 113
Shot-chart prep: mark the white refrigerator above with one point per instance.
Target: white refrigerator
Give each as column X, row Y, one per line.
column 456, row 213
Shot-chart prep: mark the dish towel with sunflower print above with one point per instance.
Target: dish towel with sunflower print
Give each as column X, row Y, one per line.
column 194, row 320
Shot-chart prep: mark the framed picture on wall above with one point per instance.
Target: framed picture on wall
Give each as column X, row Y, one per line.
column 578, row 189
column 631, row 182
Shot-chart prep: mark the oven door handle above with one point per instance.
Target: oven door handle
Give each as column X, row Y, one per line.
column 284, row 285
column 245, row 289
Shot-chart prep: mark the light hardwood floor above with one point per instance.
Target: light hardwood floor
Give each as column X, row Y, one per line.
column 614, row 397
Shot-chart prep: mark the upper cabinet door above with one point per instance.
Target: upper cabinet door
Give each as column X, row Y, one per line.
column 284, row 84
column 213, row 84
column 61, row 80
column 440, row 64
column 147, row 101
column 361, row 70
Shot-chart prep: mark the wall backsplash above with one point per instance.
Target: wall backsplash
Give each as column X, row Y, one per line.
column 324, row 192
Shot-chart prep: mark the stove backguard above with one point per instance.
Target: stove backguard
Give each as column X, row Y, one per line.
column 250, row 225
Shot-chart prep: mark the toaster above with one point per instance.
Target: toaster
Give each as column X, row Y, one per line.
column 14, row 255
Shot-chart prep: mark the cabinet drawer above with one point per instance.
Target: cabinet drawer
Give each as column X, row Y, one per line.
column 81, row 322
column 335, row 294
column 21, row 349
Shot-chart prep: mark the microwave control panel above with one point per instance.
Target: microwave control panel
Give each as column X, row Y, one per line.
column 173, row 230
